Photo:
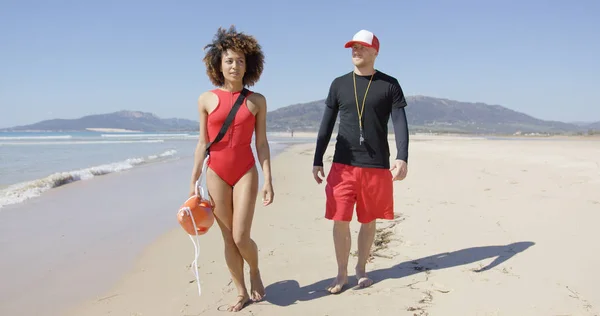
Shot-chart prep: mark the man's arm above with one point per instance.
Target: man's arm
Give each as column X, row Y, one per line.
column 399, row 121
column 327, row 124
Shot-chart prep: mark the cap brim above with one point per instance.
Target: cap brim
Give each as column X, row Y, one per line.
column 350, row 43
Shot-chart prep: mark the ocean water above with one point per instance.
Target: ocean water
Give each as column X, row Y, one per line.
column 32, row 163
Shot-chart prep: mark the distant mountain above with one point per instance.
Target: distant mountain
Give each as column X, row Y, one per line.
column 432, row 113
column 593, row 126
column 425, row 114
column 130, row 120
column 298, row 117
column 428, row 114
column 580, row 123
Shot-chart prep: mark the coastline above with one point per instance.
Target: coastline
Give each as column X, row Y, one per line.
column 489, row 248
column 93, row 231
column 111, row 130
column 422, row 136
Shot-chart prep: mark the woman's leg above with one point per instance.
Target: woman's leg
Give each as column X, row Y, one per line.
column 221, row 194
column 244, row 201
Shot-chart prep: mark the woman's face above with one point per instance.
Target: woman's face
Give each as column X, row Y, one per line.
column 233, row 65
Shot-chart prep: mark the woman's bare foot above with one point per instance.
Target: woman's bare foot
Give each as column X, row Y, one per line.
column 240, row 303
column 338, row 284
column 363, row 279
column 257, row 289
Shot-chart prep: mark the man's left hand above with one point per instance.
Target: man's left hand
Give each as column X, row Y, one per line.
column 399, row 170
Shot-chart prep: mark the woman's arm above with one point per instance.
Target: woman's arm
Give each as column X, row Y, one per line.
column 262, row 144
column 200, row 152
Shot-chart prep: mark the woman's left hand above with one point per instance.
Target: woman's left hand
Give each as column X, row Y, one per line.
column 267, row 194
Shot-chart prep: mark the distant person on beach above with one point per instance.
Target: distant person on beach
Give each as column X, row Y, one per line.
column 235, row 60
column 360, row 174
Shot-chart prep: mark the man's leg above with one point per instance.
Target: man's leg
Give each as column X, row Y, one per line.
column 342, row 242
column 341, row 198
column 366, row 236
column 375, row 201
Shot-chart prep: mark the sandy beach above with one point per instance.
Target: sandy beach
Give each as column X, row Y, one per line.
column 483, row 227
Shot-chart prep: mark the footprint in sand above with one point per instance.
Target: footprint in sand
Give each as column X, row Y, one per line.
column 440, row 288
column 306, row 153
column 423, row 304
column 575, row 295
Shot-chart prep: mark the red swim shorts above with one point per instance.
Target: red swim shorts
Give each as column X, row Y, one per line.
column 370, row 189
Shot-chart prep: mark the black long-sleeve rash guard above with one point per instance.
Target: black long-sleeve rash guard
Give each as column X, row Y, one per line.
column 385, row 98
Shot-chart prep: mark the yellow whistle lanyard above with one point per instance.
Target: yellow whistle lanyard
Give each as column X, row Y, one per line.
column 361, row 111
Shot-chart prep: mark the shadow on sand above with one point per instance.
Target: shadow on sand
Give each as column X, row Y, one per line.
column 288, row 292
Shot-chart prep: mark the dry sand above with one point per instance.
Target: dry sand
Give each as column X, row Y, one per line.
column 483, row 228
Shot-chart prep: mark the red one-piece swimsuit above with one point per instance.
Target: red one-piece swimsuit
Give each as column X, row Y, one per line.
column 232, row 156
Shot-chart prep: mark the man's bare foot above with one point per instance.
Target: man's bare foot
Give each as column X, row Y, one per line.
column 240, row 303
column 363, row 279
column 257, row 289
column 338, row 284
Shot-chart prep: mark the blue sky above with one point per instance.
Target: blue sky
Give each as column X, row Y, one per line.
column 66, row 59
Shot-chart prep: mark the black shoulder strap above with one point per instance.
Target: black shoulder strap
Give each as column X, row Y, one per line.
column 229, row 118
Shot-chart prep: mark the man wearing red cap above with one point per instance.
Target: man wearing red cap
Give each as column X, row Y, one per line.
column 361, row 175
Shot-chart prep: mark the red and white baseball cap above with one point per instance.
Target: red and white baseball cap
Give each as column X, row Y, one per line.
column 365, row 38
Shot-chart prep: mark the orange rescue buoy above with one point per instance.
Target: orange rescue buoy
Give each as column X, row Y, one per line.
column 196, row 215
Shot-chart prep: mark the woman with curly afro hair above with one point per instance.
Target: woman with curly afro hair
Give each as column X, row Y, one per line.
column 234, row 61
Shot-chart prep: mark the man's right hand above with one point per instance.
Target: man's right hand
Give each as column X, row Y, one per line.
column 316, row 171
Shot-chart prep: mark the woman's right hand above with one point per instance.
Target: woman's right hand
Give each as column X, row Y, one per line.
column 192, row 190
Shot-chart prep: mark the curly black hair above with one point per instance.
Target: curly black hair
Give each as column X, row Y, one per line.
column 236, row 41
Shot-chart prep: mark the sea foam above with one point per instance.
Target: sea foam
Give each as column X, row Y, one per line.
column 20, row 192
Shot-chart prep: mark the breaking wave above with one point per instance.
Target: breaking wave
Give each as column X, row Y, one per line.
column 20, row 192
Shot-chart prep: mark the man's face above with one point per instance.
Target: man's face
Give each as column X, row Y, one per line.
column 362, row 55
